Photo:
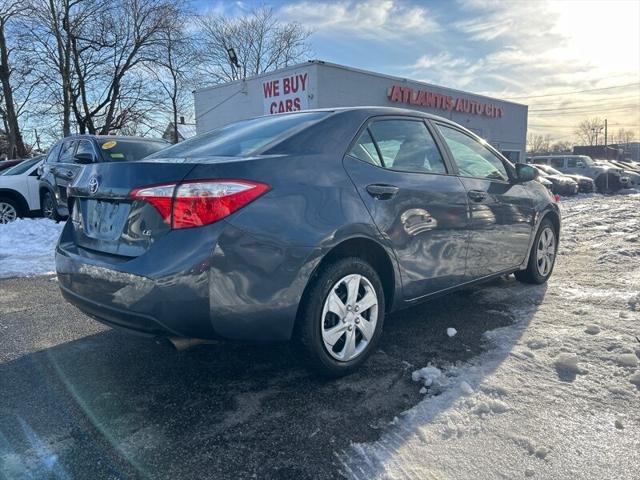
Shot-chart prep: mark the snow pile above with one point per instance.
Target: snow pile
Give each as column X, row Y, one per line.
column 451, row 332
column 556, row 391
column 27, row 246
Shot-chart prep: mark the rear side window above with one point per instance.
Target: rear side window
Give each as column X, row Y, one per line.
column 557, row 162
column 572, row 162
column 540, row 161
column 365, row 150
column 473, row 158
column 66, row 154
column 243, row 138
column 407, row 146
column 125, row 150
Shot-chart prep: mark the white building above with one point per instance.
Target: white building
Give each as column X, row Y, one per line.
column 318, row 84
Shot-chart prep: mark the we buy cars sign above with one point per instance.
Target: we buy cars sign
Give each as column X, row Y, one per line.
column 286, row 94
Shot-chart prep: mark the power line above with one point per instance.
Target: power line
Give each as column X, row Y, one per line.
column 603, row 99
column 582, row 107
column 584, row 112
column 575, row 91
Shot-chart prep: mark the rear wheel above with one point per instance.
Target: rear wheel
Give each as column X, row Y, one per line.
column 9, row 210
column 542, row 257
column 48, row 206
column 342, row 316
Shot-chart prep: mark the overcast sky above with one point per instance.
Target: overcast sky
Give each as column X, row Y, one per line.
column 519, row 50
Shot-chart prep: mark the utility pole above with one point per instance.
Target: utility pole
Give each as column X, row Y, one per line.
column 606, row 151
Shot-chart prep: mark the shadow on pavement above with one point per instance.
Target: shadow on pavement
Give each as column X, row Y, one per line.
column 111, row 405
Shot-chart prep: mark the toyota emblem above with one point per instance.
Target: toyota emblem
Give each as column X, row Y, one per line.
column 93, row 185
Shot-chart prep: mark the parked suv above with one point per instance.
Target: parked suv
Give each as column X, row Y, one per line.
column 67, row 158
column 308, row 226
column 607, row 178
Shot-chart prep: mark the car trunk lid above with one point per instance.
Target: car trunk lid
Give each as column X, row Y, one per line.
column 106, row 220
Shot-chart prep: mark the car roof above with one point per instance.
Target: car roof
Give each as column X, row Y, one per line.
column 114, row 137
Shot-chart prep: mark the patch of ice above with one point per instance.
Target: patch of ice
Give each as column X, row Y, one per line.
column 451, row 332
column 627, row 360
column 592, row 329
column 27, row 247
column 427, row 374
column 568, row 362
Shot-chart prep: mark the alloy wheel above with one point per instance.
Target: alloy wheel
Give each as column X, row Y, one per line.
column 546, row 251
column 349, row 317
column 7, row 212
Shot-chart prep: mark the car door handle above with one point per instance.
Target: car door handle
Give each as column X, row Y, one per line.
column 382, row 192
column 477, row 195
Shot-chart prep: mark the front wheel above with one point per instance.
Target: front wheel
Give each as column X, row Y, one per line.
column 341, row 318
column 542, row 257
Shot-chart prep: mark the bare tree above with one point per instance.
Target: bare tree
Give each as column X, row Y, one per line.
column 589, row 131
column 538, row 143
column 261, row 42
column 172, row 69
column 623, row 136
column 562, row 146
column 9, row 110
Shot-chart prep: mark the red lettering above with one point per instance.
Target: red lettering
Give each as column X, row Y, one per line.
column 296, row 103
column 286, row 85
column 272, row 108
column 303, row 81
column 394, row 94
column 271, row 89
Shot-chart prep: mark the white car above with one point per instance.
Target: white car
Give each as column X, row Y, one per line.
column 19, row 190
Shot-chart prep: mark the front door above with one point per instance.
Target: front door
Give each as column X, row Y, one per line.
column 417, row 205
column 502, row 212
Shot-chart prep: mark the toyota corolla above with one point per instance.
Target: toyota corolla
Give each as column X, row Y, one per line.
column 310, row 226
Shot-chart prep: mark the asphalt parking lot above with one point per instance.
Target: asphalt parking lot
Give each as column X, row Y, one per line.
column 79, row 400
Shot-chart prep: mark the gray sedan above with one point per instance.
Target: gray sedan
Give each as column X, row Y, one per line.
column 310, row 226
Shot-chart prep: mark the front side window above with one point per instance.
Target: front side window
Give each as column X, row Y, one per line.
column 66, row 154
column 407, row 146
column 557, row 162
column 54, row 153
column 473, row 159
column 540, row 161
column 85, row 146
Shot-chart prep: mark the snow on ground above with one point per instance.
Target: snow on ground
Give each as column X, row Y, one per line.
column 26, row 247
column 557, row 393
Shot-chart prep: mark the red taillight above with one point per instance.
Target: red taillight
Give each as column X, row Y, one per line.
column 200, row 202
column 556, row 197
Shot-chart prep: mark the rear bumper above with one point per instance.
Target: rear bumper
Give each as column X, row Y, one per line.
column 212, row 282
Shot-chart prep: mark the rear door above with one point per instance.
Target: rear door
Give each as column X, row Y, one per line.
column 501, row 210
column 417, row 205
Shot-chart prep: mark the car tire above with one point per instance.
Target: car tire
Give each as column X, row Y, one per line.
column 48, row 207
column 538, row 270
column 334, row 333
column 9, row 210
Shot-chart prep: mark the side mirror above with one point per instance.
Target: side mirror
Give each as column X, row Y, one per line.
column 84, row 158
column 581, row 165
column 525, row 173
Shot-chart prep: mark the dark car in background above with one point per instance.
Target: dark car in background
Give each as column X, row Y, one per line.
column 561, row 184
column 5, row 164
column 585, row 184
column 68, row 157
column 309, row 226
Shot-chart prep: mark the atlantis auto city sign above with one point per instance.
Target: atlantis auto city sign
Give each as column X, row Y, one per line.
column 425, row 98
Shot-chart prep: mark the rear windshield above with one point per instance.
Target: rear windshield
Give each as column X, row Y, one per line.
column 126, row 150
column 21, row 167
column 243, row 138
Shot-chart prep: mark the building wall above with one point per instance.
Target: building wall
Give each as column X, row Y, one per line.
column 323, row 85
